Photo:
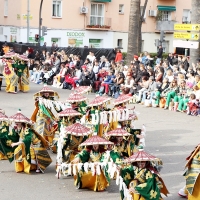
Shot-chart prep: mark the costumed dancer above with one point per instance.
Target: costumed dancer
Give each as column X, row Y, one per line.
column 192, row 188
column 68, row 144
column 139, row 179
column 120, row 150
column 78, row 102
column 29, row 148
column 120, row 104
column 11, row 79
column 67, row 117
column 43, row 116
column 1, row 72
column 89, row 163
column 20, row 66
column 97, row 115
column 4, row 131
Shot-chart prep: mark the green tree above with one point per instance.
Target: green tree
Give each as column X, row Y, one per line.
column 195, row 19
column 133, row 33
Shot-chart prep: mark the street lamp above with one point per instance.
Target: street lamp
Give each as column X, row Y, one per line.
column 40, row 23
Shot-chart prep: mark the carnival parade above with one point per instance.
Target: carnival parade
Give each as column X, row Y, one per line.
column 94, row 140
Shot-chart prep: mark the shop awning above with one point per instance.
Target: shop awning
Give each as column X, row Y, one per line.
column 167, row 8
column 101, row 1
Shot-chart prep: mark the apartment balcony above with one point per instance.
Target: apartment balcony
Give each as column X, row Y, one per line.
column 98, row 23
column 167, row 26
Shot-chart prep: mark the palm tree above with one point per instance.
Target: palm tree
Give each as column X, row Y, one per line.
column 134, row 22
column 195, row 19
column 142, row 12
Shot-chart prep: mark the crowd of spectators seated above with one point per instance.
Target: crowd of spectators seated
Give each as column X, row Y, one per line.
column 167, row 83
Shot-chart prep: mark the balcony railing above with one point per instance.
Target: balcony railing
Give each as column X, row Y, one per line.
column 98, row 23
column 165, row 25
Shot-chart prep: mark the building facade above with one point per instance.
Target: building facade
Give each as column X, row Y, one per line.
column 91, row 23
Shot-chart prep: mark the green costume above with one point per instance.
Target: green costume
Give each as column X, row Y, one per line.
column 146, row 183
column 86, row 179
column 6, row 139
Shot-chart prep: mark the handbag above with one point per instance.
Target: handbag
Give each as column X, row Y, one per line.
column 162, row 102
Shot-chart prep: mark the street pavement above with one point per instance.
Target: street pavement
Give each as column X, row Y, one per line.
column 170, row 136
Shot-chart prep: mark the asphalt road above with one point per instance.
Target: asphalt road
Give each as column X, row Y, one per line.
column 170, row 136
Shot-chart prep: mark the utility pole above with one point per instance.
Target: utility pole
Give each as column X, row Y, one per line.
column 40, row 23
column 28, row 14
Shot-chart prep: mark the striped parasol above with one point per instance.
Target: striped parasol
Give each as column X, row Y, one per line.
column 3, row 117
column 83, row 89
column 22, row 57
column 98, row 101
column 10, row 55
column 118, row 132
column 69, row 112
column 19, row 117
column 141, row 155
column 78, row 130
column 75, row 97
column 123, row 98
column 96, row 140
column 46, row 89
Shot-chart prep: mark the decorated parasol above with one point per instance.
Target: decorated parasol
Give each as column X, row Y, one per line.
column 78, row 130
column 83, row 89
column 98, row 101
column 122, row 99
column 19, row 117
column 68, row 112
column 118, row 132
column 96, row 140
column 3, row 117
column 46, row 89
column 75, row 97
column 141, row 155
column 22, row 57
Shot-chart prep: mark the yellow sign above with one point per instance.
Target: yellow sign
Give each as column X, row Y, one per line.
column 187, row 27
column 190, row 36
column 25, row 17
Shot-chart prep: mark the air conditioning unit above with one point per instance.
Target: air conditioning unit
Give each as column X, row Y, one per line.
column 152, row 13
column 121, row 12
column 83, row 10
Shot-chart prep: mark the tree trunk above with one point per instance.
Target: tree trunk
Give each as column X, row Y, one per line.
column 195, row 19
column 134, row 19
column 140, row 27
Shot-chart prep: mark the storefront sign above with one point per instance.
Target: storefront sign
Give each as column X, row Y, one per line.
column 75, row 34
column 13, row 30
column 32, row 39
column 95, row 43
column 75, row 39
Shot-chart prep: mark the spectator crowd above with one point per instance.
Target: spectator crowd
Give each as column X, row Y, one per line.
column 170, row 83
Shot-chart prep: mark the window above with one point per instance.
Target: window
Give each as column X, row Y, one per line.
column 56, row 10
column 119, row 42
column 186, row 16
column 165, row 46
column 97, row 14
column 5, row 8
column 166, row 15
column 121, row 8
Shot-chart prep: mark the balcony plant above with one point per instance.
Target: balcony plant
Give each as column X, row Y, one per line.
column 107, row 27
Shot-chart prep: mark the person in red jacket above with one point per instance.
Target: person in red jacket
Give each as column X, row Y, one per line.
column 119, row 56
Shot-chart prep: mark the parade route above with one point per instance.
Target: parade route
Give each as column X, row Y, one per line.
column 170, row 136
